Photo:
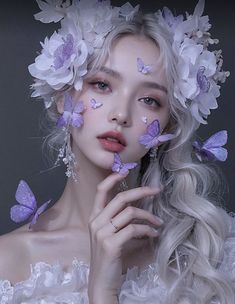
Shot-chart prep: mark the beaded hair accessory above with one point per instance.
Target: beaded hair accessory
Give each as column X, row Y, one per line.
column 84, row 26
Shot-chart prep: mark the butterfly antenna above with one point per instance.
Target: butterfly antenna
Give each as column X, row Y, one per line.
column 49, row 169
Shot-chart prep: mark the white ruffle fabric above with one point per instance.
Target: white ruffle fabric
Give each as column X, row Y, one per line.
column 50, row 284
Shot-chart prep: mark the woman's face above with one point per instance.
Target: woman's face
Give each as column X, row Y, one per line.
column 127, row 97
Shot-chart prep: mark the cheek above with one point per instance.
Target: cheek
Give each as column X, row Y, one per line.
column 92, row 116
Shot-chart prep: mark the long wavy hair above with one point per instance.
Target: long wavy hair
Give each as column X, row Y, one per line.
column 190, row 248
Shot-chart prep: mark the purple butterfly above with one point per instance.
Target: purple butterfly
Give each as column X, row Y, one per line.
column 153, row 137
column 27, row 205
column 212, row 149
column 120, row 167
column 95, row 104
column 143, row 68
column 71, row 115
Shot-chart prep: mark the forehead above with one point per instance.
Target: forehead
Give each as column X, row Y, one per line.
column 137, row 43
column 125, row 51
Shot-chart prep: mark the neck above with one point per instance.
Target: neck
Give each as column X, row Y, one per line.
column 76, row 203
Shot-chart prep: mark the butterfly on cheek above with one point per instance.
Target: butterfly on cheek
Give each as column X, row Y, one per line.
column 26, row 207
column 152, row 136
column 95, row 104
column 72, row 114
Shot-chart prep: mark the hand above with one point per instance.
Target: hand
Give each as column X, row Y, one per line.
column 106, row 242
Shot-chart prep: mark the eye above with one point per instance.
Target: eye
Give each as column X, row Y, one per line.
column 101, row 85
column 150, row 101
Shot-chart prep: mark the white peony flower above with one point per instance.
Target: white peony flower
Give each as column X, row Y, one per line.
column 61, row 57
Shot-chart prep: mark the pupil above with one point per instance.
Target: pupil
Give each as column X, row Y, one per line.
column 102, row 85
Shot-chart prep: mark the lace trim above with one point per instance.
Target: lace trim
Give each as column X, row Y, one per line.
column 50, row 284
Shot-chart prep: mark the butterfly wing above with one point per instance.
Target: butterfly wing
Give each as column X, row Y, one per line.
column 117, row 164
column 95, row 104
column 165, row 137
column 212, row 147
column 149, row 139
column 19, row 213
column 39, row 211
column 217, row 140
column 153, row 128
column 68, row 102
column 217, row 153
column 77, row 118
column 63, row 119
column 126, row 167
column 79, row 107
column 146, row 140
column 25, row 196
column 146, row 69
column 142, row 68
column 140, row 64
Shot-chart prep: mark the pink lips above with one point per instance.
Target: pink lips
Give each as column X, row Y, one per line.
column 112, row 141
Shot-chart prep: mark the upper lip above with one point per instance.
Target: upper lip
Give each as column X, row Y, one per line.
column 114, row 134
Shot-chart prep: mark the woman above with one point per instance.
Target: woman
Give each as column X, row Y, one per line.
column 124, row 93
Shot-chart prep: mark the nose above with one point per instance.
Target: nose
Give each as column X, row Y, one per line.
column 120, row 114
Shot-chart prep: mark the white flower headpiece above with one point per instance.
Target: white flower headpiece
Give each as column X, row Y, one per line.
column 84, row 26
column 198, row 69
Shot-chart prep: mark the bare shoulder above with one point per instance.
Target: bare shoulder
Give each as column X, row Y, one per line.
column 14, row 254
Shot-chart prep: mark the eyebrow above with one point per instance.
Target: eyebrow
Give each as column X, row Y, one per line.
column 147, row 84
column 110, row 72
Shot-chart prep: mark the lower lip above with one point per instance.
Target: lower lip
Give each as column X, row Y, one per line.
column 111, row 145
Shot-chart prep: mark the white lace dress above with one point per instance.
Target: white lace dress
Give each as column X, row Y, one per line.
column 49, row 284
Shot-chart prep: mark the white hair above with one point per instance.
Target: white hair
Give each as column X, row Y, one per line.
column 190, row 247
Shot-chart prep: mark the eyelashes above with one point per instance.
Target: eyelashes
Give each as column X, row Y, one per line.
column 153, row 102
column 103, row 86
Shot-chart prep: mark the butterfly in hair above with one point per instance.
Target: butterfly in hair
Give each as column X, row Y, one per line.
column 26, row 207
column 211, row 149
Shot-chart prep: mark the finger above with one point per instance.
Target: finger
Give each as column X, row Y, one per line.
column 103, row 189
column 121, row 200
column 131, row 213
column 131, row 231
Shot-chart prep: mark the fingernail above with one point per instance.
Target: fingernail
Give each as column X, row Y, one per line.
column 160, row 221
column 156, row 232
column 124, row 174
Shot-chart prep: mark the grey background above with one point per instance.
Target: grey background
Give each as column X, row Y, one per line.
column 20, row 145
